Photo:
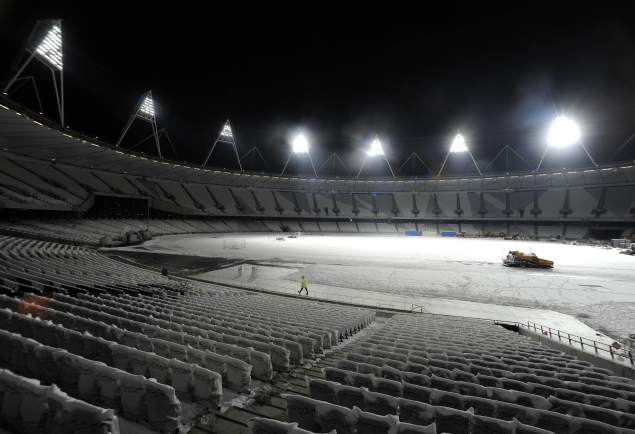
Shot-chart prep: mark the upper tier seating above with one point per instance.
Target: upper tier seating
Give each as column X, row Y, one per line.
column 597, row 195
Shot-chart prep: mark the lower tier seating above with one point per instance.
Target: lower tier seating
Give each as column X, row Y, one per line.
column 426, row 373
column 27, row 406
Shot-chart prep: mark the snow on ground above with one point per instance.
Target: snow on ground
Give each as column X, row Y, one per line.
column 595, row 284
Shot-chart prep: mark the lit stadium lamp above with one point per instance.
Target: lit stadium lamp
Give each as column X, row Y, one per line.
column 563, row 132
column 147, row 107
column 145, row 111
column 299, row 144
column 227, row 132
column 458, row 144
column 375, row 148
column 50, row 49
column 226, row 135
column 45, row 45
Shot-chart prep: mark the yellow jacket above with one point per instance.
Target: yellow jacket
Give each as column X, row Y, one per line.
column 304, row 282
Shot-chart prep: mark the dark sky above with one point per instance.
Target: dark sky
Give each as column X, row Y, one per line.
column 344, row 73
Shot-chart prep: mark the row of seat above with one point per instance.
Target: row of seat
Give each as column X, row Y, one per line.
column 447, row 352
column 75, row 269
column 236, row 373
column 261, row 425
column 90, row 231
column 522, row 348
column 483, row 386
column 532, row 352
column 488, row 362
column 489, row 401
column 414, row 417
column 242, row 350
column 28, row 407
column 191, row 381
column 311, row 343
column 193, row 339
column 473, row 364
column 134, row 396
column 348, row 320
column 517, row 378
column 494, row 353
column 197, row 327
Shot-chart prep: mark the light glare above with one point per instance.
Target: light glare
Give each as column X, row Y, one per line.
column 227, row 131
column 563, row 132
column 375, row 148
column 50, row 49
column 147, row 106
column 458, row 144
column 300, row 144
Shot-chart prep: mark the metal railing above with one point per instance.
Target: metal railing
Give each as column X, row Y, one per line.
column 416, row 308
column 585, row 344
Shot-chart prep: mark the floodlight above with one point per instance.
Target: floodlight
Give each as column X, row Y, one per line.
column 227, row 131
column 458, row 144
column 300, row 145
column 50, row 49
column 563, row 132
column 147, row 106
column 375, row 148
column 226, row 136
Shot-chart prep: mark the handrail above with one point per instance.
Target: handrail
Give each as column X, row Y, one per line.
column 416, row 308
column 585, row 344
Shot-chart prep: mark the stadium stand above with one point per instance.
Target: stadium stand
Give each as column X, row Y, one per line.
column 154, row 350
column 524, row 205
column 433, row 374
column 91, row 344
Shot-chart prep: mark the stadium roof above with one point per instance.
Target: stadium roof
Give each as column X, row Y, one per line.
column 31, row 135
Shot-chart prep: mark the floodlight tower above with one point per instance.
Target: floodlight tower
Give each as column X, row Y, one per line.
column 45, row 45
column 299, row 146
column 563, row 133
column 414, row 157
column 226, row 135
column 375, row 150
column 334, row 158
column 459, row 146
column 256, row 153
column 145, row 111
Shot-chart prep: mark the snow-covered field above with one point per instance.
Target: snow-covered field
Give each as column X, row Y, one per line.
column 445, row 275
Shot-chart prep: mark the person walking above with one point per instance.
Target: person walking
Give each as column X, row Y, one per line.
column 303, row 286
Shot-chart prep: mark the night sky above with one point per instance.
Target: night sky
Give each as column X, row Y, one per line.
column 343, row 74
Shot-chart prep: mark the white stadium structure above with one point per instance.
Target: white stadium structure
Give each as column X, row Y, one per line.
column 142, row 295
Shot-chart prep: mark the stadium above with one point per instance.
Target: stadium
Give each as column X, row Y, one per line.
column 145, row 294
